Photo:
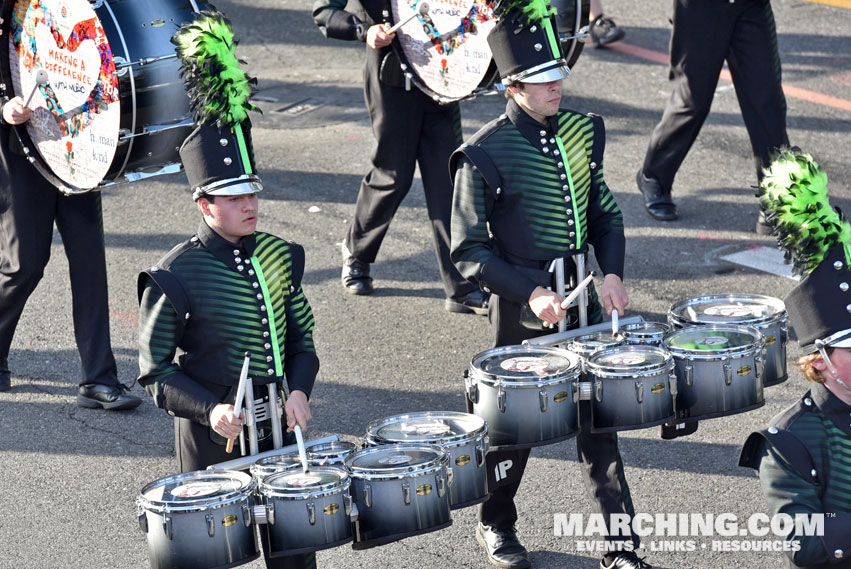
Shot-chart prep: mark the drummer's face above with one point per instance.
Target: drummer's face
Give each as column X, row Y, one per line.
column 841, row 360
column 232, row 217
column 539, row 100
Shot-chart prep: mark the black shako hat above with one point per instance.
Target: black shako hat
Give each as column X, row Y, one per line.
column 793, row 195
column 218, row 155
column 525, row 43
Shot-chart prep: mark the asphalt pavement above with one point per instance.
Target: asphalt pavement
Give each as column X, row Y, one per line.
column 70, row 476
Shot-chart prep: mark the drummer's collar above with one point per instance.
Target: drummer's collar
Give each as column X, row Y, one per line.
column 529, row 127
column 230, row 254
column 838, row 412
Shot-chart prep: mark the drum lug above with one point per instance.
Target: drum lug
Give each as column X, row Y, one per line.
column 406, row 492
column 143, row 521
column 689, row 369
column 672, row 384
column 211, row 525
column 639, row 391
column 347, row 504
column 311, row 513
column 784, row 335
column 500, row 399
column 598, row 391
column 270, row 513
column 474, row 392
column 354, row 512
column 367, row 495
column 450, row 476
column 167, row 526
column 728, row 374
column 482, row 451
column 574, row 387
column 247, row 516
column 759, row 361
column 542, row 399
column 441, row 486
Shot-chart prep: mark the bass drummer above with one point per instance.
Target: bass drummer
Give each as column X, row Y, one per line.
column 529, row 189
column 228, row 290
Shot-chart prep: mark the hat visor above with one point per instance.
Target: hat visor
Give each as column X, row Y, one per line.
column 844, row 342
column 236, row 187
column 554, row 70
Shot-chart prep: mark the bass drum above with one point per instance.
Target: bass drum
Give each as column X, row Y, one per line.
column 113, row 108
column 572, row 21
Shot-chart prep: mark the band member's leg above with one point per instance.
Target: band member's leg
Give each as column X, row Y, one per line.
column 441, row 135
column 79, row 219
column 396, row 117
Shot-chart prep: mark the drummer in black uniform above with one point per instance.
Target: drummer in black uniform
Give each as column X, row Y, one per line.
column 804, row 456
column 529, row 189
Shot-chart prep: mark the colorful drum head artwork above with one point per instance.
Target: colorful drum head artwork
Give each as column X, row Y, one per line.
column 446, row 49
column 76, row 113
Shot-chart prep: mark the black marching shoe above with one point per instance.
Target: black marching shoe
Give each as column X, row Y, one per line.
column 604, row 31
column 475, row 302
column 110, row 397
column 356, row 277
column 502, row 547
column 625, row 560
column 5, row 376
column 657, row 200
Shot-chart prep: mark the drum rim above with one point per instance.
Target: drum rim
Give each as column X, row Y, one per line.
column 327, row 489
column 719, row 354
column 779, row 315
column 203, row 503
column 478, row 375
column 437, row 463
column 639, row 329
column 612, row 372
column 373, row 427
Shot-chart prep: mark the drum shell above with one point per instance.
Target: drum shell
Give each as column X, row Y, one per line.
column 775, row 330
column 191, row 544
column 645, row 334
column 523, row 423
column 705, row 387
column 292, row 533
column 466, row 458
column 330, row 454
column 388, row 518
column 624, row 400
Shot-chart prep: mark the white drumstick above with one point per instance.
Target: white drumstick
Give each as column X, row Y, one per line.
column 40, row 79
column 240, row 394
column 615, row 322
column 565, row 304
column 422, row 10
column 302, row 453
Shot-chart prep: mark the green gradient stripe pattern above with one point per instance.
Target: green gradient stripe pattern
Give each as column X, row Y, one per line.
column 838, row 496
column 156, row 336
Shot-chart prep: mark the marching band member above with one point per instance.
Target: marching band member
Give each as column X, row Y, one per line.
column 410, row 129
column 804, row 456
column 229, row 289
column 529, row 189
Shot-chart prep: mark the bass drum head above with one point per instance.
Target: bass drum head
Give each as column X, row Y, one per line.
column 446, row 50
column 524, row 364
column 195, row 490
column 572, row 19
column 743, row 309
column 427, row 426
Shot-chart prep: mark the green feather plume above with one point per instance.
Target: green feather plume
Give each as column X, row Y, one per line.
column 218, row 89
column 534, row 11
column 793, row 196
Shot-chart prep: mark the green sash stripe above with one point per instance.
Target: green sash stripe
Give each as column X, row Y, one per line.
column 270, row 314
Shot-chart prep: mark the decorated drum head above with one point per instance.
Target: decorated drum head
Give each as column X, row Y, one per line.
column 195, row 489
column 76, row 106
column 711, row 339
column 524, row 364
column 629, row 358
column 590, row 343
column 396, row 458
column 316, row 480
column 428, row 426
column 743, row 309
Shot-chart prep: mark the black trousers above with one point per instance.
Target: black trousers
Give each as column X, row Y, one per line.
column 705, row 34
column 410, row 129
column 196, row 451
column 599, row 456
column 29, row 206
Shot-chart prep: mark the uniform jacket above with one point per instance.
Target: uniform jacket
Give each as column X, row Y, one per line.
column 211, row 301
column 546, row 199
column 804, row 463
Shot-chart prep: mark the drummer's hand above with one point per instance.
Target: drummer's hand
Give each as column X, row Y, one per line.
column 546, row 305
column 224, row 421
column 14, row 111
column 298, row 410
column 377, row 36
column 614, row 294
